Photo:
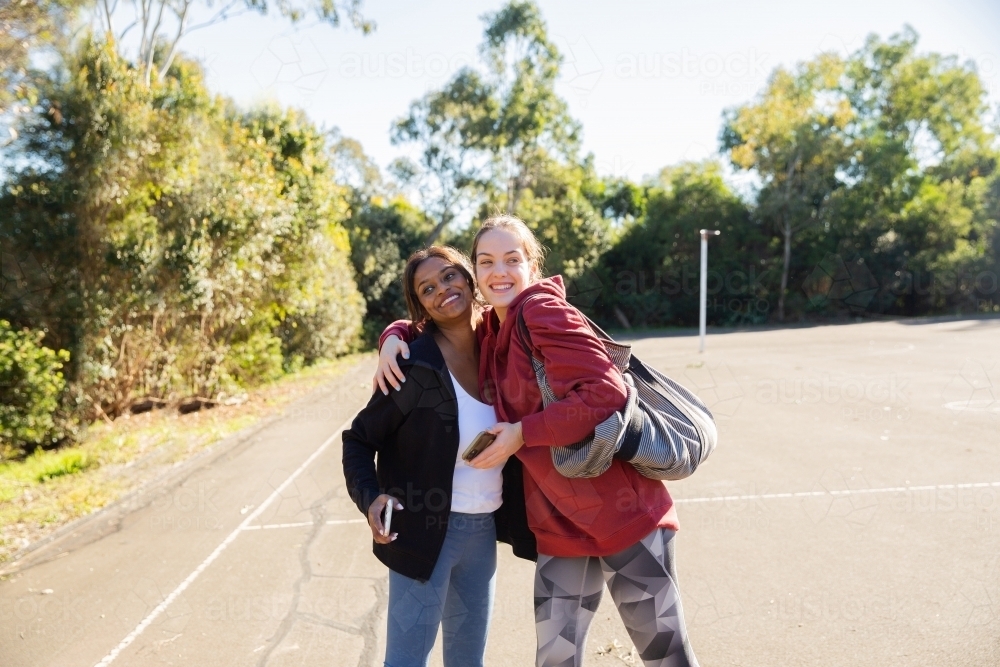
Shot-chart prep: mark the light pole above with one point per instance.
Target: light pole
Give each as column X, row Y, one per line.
column 703, row 297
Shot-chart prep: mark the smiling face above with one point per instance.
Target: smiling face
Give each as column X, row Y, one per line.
column 442, row 290
column 502, row 269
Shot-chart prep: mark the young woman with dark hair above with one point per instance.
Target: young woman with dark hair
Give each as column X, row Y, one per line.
column 447, row 515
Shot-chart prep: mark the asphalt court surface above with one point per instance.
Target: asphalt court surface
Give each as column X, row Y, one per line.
column 851, row 516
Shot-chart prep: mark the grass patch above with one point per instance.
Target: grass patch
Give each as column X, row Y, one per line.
column 44, row 466
column 51, row 488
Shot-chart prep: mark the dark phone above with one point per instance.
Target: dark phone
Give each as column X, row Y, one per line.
column 482, row 441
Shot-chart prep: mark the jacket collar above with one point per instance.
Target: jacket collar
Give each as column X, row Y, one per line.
column 424, row 351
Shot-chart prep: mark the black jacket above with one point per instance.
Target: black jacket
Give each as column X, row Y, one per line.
column 414, row 432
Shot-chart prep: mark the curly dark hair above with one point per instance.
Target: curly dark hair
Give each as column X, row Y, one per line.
column 418, row 315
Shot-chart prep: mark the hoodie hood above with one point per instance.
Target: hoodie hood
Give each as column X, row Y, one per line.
column 553, row 286
column 503, row 334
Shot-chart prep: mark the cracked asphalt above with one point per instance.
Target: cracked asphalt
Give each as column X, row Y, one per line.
column 851, row 516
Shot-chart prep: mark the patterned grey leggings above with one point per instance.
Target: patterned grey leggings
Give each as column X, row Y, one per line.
column 643, row 586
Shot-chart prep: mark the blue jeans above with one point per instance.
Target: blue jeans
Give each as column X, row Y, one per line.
column 458, row 596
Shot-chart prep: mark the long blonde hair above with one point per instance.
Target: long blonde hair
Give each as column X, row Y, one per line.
column 533, row 250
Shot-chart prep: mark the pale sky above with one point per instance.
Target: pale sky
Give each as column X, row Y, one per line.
column 647, row 79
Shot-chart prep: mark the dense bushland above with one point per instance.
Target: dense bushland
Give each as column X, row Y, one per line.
column 160, row 244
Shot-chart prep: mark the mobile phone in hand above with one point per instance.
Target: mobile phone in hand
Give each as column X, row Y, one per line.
column 481, row 442
column 387, row 517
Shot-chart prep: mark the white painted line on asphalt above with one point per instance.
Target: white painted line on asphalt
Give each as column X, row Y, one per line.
column 975, row 405
column 269, row 526
column 167, row 601
column 844, row 492
column 301, row 524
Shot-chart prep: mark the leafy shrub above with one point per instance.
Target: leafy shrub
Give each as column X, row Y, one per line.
column 256, row 360
column 31, row 386
column 169, row 239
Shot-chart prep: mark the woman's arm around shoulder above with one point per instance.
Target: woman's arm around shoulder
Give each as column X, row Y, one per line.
column 394, row 343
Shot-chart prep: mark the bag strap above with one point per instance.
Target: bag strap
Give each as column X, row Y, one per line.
column 631, row 436
column 598, row 331
column 522, row 328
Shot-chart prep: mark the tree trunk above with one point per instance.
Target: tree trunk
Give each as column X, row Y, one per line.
column 513, row 193
column 182, row 20
column 787, row 229
column 438, row 228
column 151, row 45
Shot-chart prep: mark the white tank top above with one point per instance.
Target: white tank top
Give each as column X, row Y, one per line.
column 474, row 491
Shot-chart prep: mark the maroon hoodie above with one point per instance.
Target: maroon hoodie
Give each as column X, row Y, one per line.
column 598, row 516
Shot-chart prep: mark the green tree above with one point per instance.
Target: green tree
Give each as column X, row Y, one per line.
column 317, row 303
column 503, row 137
column 874, row 171
column 792, row 138
column 919, row 172
column 384, row 229
column 532, row 121
column 449, row 126
column 650, row 276
column 560, row 208
column 183, row 247
column 494, row 132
